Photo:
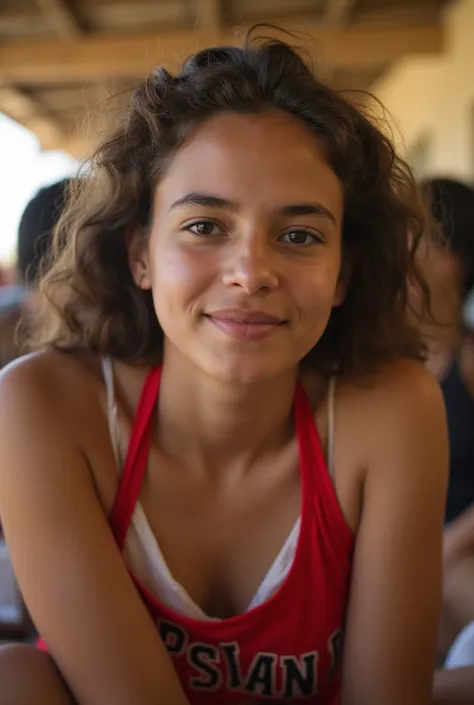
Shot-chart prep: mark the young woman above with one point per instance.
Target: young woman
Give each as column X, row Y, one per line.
column 223, row 473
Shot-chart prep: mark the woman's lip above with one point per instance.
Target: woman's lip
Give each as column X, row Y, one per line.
column 245, row 316
column 244, row 330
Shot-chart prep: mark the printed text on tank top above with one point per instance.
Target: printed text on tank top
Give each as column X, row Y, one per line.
column 285, row 648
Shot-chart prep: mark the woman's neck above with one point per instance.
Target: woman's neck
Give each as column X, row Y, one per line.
column 210, row 425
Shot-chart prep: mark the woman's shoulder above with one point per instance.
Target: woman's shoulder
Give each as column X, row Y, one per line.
column 394, row 411
column 390, row 440
column 66, row 391
column 47, row 371
column 53, row 420
column 395, row 387
column 395, row 417
column 48, row 384
column 387, row 425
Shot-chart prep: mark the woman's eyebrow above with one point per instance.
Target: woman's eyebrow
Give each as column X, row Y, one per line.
column 197, row 198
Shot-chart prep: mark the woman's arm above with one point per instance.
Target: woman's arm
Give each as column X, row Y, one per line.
column 396, row 588
column 69, row 569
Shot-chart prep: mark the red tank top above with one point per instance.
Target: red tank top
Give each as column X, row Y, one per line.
column 287, row 649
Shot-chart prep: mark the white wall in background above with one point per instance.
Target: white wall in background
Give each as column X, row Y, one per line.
column 23, row 170
column 432, row 98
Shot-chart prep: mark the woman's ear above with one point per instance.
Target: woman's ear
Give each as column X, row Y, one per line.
column 138, row 259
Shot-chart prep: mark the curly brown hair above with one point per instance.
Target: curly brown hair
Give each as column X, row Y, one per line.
column 90, row 300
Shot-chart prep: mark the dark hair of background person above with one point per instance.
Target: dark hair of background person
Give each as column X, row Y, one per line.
column 452, row 206
column 34, row 240
column 35, row 232
column 90, row 300
column 10, row 319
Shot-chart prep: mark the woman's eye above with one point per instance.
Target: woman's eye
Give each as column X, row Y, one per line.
column 204, row 227
column 300, row 237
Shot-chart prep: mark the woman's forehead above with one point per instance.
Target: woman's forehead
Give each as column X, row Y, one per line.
column 270, row 158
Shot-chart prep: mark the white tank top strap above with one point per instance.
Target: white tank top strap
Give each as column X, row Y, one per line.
column 114, row 431
column 331, row 424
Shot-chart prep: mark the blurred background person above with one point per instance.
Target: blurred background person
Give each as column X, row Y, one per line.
column 447, row 260
column 34, row 241
column 36, row 228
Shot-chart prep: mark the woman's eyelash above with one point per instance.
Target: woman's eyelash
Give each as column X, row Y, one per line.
column 295, row 236
column 301, row 236
column 203, row 228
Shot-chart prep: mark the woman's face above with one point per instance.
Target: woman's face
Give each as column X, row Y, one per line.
column 244, row 253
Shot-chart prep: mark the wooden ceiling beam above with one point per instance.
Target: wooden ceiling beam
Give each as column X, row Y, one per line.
column 338, row 12
column 61, row 17
column 32, row 114
column 96, row 58
column 208, row 14
column 415, row 13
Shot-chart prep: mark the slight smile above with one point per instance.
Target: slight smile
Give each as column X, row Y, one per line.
column 245, row 325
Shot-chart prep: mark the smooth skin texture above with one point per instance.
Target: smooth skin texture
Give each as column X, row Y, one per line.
column 264, row 233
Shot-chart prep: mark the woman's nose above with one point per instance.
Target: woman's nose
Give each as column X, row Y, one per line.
column 252, row 267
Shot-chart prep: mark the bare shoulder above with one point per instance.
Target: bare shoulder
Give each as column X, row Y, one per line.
column 394, row 388
column 46, row 379
column 398, row 396
column 53, row 424
column 400, row 433
column 50, row 397
column 46, row 365
column 405, row 382
column 390, row 436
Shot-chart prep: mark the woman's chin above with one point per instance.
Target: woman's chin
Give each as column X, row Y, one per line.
column 231, row 367
column 245, row 371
